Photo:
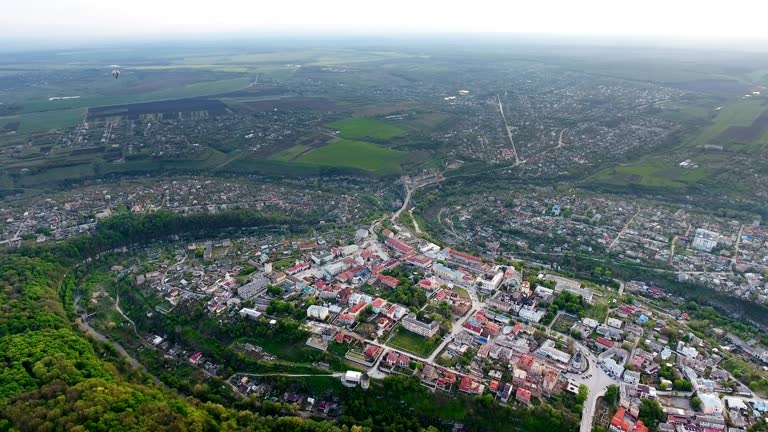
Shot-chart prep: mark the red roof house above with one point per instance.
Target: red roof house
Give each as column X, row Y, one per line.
column 618, row 422
column 523, row 395
column 604, row 342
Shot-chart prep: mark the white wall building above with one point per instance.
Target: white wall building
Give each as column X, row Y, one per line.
column 317, row 312
column 705, row 240
column 491, row 284
column 351, row 378
column 531, row 314
column 632, row 377
column 420, row 328
column 711, row 404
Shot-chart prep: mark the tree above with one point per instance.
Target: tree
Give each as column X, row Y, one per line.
column 274, row 290
column 612, row 394
column 651, row 413
column 583, row 394
column 682, row 385
column 696, row 403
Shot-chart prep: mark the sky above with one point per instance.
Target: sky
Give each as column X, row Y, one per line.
column 681, row 19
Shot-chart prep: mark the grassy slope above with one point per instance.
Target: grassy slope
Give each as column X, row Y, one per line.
column 741, row 113
column 666, row 173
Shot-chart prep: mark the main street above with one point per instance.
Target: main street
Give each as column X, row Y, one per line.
column 597, row 383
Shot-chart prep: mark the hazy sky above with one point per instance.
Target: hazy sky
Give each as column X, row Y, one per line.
column 118, row 18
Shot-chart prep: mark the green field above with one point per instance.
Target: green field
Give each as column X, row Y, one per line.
column 350, row 154
column 413, row 343
column 653, row 173
column 741, row 113
column 47, row 120
column 365, row 128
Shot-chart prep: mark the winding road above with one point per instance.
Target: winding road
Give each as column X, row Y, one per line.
column 85, row 327
column 560, row 142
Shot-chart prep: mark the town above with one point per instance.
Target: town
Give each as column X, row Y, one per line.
column 379, row 301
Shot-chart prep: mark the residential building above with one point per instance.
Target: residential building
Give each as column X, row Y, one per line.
column 615, row 323
column 705, row 240
column 351, row 378
column 632, row 377
column 491, row 284
column 253, row 288
column 317, row 312
column 398, row 245
column 250, row 313
column 523, row 396
column 531, row 314
column 420, row 328
column 618, row 424
column 463, row 259
column 711, row 404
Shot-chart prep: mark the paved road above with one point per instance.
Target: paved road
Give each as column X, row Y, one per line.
column 736, row 249
column 560, row 142
column 597, row 384
column 509, row 132
column 409, row 190
column 618, row 236
column 334, row 374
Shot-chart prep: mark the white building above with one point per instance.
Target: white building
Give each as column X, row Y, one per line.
column 543, row 292
column 349, row 250
column 549, row 351
column 615, row 323
column 491, row 284
column 632, row 377
column 250, row 313
column 589, row 322
column 253, row 288
column 351, row 378
column 705, row 240
column 531, row 314
column 612, row 367
column 420, row 328
column 689, row 352
column 448, row 273
column 317, row 312
column 711, row 404
column 361, row 234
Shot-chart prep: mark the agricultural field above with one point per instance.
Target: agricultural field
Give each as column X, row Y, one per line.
column 347, row 154
column 364, row 128
column 289, row 103
column 134, row 111
column 45, row 121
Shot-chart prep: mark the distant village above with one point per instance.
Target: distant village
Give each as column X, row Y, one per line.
column 726, row 254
